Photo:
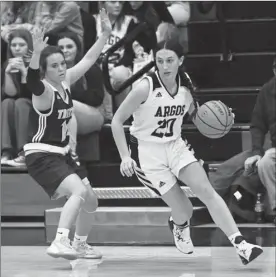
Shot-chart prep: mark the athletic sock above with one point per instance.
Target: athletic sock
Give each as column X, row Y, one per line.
column 62, row 232
column 78, row 238
column 236, row 238
column 185, row 224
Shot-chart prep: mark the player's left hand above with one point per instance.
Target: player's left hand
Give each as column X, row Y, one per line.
column 127, row 166
column 105, row 22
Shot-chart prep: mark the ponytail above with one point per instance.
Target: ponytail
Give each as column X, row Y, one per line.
column 190, row 85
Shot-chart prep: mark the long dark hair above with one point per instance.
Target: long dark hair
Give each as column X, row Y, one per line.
column 76, row 40
column 171, row 41
column 25, row 35
column 20, row 33
column 79, row 54
column 121, row 17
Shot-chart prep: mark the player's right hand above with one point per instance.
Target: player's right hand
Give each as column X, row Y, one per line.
column 106, row 25
column 39, row 42
column 250, row 162
column 127, row 166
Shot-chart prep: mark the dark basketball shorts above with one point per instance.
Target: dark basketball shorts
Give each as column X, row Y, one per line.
column 50, row 169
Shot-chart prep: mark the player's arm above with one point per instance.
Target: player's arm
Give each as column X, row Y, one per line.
column 134, row 99
column 77, row 71
column 42, row 98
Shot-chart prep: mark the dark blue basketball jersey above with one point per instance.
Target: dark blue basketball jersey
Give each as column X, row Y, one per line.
column 51, row 127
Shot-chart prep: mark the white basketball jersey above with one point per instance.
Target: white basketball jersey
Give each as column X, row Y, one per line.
column 159, row 118
column 116, row 35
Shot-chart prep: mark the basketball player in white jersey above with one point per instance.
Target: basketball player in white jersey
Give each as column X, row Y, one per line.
column 47, row 154
column 158, row 104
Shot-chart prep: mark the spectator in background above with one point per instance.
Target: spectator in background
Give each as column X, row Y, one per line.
column 151, row 12
column 21, row 15
column 144, row 12
column 255, row 166
column 88, row 22
column 7, row 13
column 16, row 98
column 120, row 64
column 264, row 121
column 154, row 13
column 87, row 92
column 55, row 16
column 63, row 16
column 163, row 19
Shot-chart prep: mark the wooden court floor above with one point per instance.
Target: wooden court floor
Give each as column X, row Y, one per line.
column 132, row 261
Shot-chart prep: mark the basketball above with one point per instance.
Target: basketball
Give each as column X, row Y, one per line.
column 214, row 119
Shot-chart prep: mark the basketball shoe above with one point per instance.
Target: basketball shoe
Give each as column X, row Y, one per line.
column 85, row 251
column 247, row 251
column 182, row 237
column 62, row 249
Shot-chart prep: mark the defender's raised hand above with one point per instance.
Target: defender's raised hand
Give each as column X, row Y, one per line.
column 105, row 22
column 38, row 39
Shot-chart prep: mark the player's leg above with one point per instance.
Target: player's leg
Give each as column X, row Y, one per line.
column 195, row 177
column 73, row 131
column 153, row 172
column 181, row 212
column 76, row 192
column 86, row 215
column 84, row 225
column 181, row 206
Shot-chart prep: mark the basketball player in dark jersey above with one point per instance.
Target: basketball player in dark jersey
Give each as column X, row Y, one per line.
column 47, row 155
column 158, row 104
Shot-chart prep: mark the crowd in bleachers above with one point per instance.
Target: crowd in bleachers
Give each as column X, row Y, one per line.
column 74, row 28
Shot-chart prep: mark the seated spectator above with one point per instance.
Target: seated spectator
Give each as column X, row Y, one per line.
column 154, row 13
column 229, row 180
column 121, row 62
column 16, row 99
column 143, row 11
column 10, row 11
column 55, row 16
column 151, row 12
column 161, row 22
column 87, row 93
column 241, row 169
column 264, row 121
column 17, row 16
column 88, row 22
column 64, row 17
column 7, row 13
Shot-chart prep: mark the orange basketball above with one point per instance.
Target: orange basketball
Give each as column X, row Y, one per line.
column 214, row 119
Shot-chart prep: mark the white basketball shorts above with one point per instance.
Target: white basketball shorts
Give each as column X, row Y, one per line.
column 159, row 164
